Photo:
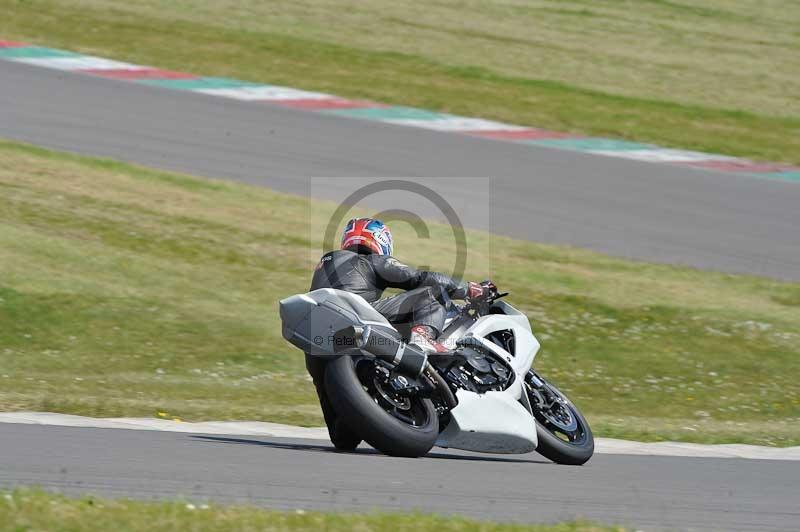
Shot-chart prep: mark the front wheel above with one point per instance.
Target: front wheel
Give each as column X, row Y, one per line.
column 394, row 424
column 564, row 435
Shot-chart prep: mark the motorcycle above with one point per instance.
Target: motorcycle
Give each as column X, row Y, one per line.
column 484, row 396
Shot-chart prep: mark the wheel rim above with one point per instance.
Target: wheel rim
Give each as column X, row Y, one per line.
column 555, row 412
column 409, row 410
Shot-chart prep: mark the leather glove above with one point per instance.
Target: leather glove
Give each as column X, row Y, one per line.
column 474, row 291
column 477, row 291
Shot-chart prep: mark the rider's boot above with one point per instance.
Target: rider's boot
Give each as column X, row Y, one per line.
column 424, row 337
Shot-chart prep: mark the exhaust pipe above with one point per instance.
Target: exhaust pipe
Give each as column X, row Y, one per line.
column 385, row 345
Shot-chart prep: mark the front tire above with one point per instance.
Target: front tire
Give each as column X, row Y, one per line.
column 564, row 434
column 409, row 432
column 561, row 452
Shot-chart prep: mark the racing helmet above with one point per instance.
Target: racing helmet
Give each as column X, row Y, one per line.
column 367, row 235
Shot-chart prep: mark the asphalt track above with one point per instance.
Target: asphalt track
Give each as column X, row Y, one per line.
column 656, row 212
column 662, row 213
column 646, row 493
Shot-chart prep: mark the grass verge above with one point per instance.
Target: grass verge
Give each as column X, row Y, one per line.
column 24, row 510
column 128, row 292
column 718, row 78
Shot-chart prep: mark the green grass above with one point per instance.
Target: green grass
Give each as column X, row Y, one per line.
column 31, row 510
column 721, row 77
column 127, row 292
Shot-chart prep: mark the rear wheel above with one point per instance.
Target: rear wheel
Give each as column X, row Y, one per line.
column 564, row 434
column 398, row 425
column 343, row 437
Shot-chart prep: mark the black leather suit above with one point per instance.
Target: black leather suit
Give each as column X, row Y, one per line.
column 368, row 275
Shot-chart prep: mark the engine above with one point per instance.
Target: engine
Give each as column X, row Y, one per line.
column 480, row 372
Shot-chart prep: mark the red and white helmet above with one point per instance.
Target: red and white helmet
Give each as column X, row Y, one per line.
column 367, row 233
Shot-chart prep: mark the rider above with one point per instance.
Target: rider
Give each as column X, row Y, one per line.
column 364, row 265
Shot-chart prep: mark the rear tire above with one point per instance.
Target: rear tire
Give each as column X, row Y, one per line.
column 375, row 425
column 343, row 437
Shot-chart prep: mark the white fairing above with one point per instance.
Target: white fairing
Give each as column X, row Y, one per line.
column 496, row 422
